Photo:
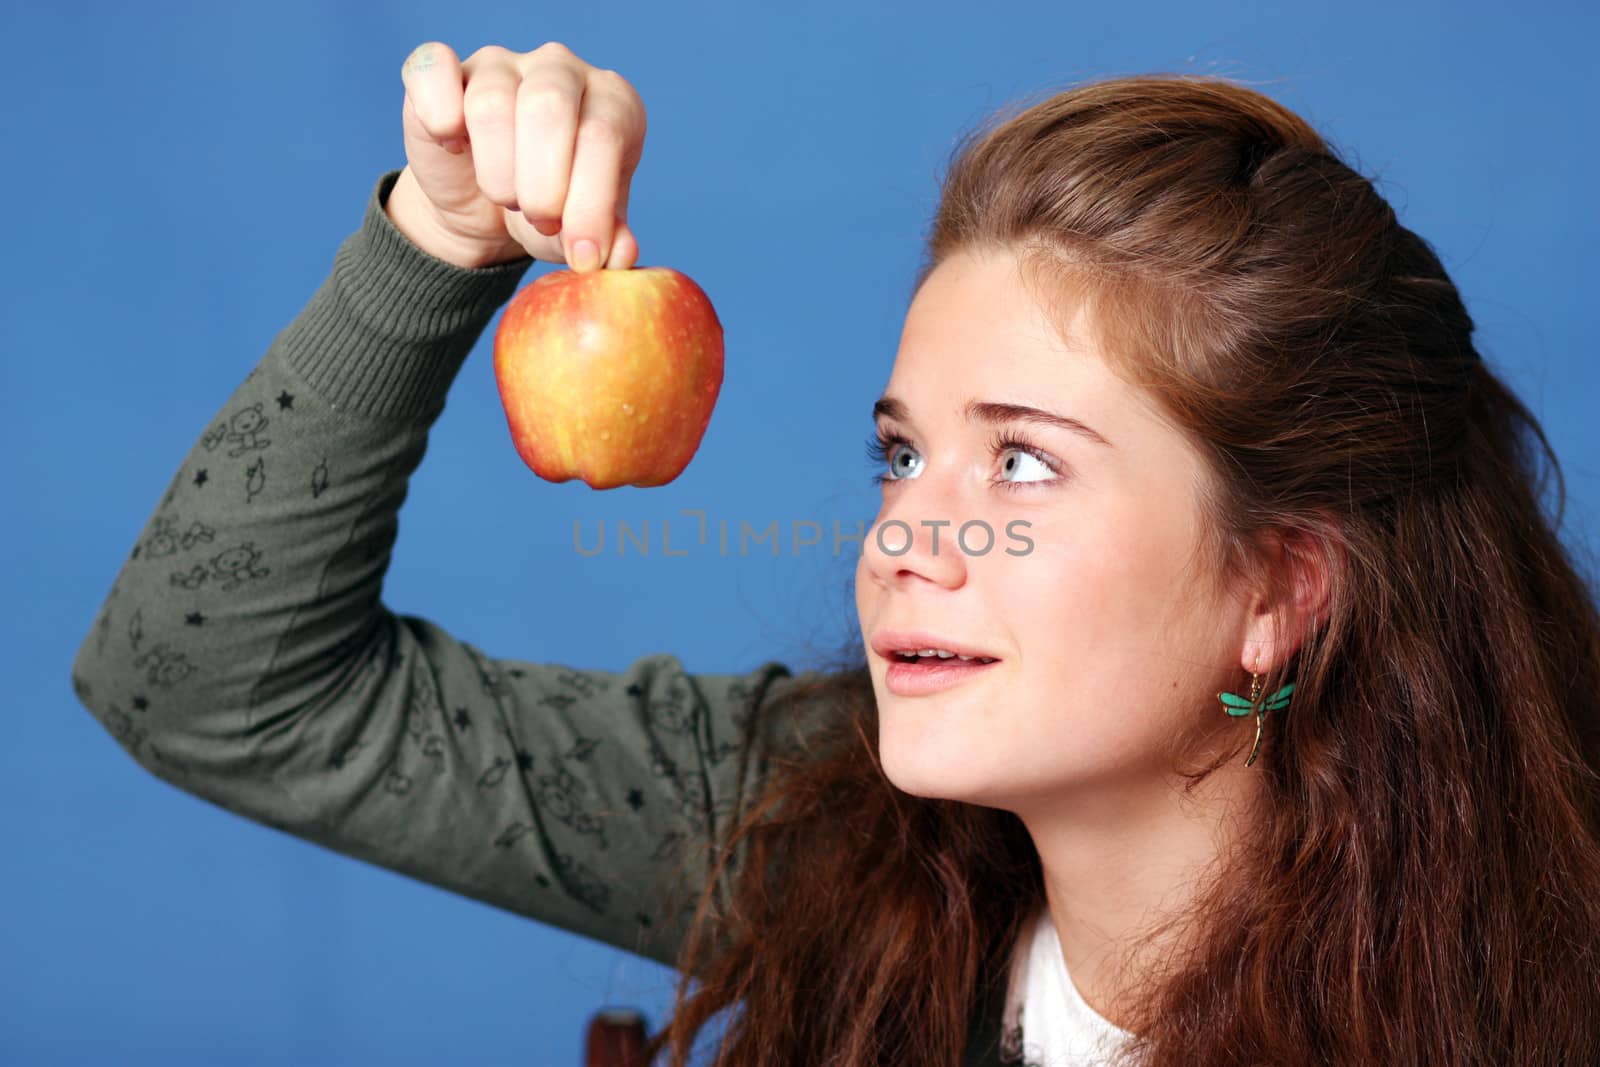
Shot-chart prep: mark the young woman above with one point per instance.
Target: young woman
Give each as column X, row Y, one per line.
column 1224, row 694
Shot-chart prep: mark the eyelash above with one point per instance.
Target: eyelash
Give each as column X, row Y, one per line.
column 880, row 444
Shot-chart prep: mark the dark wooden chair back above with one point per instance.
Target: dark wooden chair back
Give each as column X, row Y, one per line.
column 616, row 1038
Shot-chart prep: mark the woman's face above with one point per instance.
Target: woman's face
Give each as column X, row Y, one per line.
column 1096, row 596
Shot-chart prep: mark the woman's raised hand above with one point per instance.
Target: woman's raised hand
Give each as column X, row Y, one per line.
column 517, row 153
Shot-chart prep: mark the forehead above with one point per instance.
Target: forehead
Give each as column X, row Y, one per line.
column 976, row 329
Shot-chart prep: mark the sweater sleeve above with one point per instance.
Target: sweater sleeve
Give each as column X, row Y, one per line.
column 244, row 654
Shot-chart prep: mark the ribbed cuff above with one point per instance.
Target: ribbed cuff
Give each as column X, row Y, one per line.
column 389, row 328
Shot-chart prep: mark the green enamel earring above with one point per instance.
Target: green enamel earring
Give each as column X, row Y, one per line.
column 1237, row 705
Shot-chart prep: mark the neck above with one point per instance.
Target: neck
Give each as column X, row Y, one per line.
column 1122, row 858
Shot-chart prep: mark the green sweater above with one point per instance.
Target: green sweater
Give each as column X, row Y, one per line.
column 244, row 653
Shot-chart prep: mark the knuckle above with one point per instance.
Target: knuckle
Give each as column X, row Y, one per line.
column 616, row 85
column 604, row 131
column 610, row 80
column 628, row 101
column 542, row 100
column 488, row 105
column 554, row 50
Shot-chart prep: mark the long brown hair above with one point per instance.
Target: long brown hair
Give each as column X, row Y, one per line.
column 1424, row 886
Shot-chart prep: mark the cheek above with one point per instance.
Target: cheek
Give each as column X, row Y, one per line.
column 1112, row 653
column 1112, row 596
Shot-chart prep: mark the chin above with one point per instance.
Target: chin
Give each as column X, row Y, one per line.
column 920, row 782
column 920, row 763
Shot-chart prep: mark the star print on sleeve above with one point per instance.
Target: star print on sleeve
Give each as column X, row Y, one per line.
column 578, row 812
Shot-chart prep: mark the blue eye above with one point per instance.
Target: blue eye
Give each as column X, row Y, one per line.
column 883, row 447
column 879, row 448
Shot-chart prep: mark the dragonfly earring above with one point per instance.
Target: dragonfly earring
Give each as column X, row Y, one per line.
column 1237, row 705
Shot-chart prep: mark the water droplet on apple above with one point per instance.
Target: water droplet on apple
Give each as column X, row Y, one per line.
column 627, row 408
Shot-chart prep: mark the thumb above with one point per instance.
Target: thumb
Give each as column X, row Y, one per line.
column 624, row 245
column 434, row 126
column 624, row 248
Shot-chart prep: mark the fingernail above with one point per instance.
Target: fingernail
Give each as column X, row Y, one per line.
column 585, row 255
column 454, row 145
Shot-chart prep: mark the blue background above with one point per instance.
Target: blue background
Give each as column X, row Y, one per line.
column 180, row 178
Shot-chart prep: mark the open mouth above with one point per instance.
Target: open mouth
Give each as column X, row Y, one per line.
column 925, row 659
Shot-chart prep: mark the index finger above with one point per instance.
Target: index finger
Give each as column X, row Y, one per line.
column 608, row 145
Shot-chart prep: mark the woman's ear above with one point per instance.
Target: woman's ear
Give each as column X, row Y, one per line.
column 1302, row 566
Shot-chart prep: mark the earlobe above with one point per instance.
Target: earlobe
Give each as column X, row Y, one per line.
column 1262, row 640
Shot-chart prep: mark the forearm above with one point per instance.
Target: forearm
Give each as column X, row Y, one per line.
column 259, row 571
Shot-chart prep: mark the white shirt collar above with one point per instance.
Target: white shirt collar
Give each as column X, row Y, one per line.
column 1047, row 1022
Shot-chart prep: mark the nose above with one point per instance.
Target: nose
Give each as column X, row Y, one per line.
column 907, row 542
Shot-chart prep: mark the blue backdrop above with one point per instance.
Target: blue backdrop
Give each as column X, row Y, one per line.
column 180, row 178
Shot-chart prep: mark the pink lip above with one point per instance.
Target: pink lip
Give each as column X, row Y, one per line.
column 887, row 642
column 919, row 679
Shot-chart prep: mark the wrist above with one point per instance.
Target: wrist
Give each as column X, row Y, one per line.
column 411, row 213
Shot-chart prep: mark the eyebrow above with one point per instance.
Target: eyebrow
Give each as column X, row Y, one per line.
column 996, row 413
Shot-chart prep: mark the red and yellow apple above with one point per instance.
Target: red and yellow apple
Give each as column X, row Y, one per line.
column 609, row 375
